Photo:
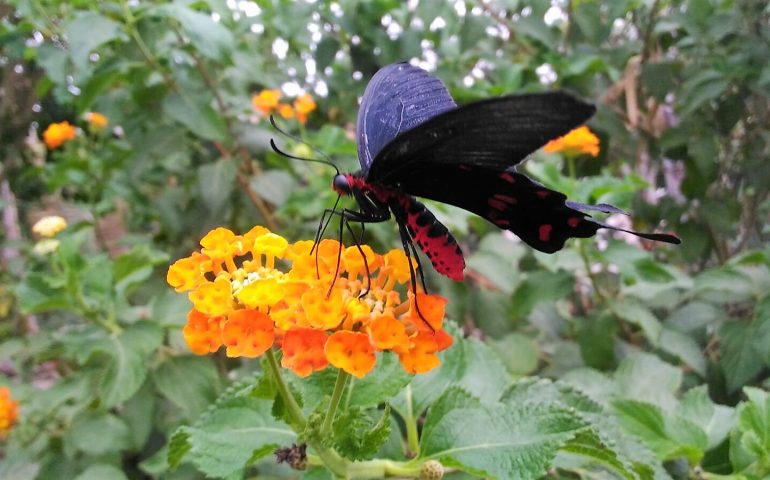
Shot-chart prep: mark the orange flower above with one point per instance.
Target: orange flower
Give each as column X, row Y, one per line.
column 202, row 332
column 266, row 101
column 255, row 290
column 303, row 105
column 350, row 351
column 9, row 411
column 96, row 121
column 303, row 350
column 286, row 111
column 247, row 333
column 187, row 273
column 577, row 142
column 58, row 133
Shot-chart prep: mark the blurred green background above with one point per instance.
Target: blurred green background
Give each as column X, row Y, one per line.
column 90, row 339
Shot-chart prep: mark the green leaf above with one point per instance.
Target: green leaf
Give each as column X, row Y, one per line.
column 38, row 293
column 589, row 445
column 685, row 348
column 216, row 182
column 723, row 285
column 127, row 370
column 274, row 186
column 134, row 267
column 518, row 352
column 190, row 382
column 85, row 31
column 740, row 359
column 210, row 38
column 357, row 436
column 645, row 377
column 715, row 420
column 229, row 436
column 452, row 399
column 178, row 446
column 195, row 113
column 102, row 471
column 98, row 433
column 513, row 441
column 540, row 287
column 636, row 313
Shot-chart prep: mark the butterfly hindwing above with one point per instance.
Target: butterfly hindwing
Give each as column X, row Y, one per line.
column 511, row 201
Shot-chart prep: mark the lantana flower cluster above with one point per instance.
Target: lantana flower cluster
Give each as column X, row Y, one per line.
column 269, row 101
column 579, row 141
column 254, row 291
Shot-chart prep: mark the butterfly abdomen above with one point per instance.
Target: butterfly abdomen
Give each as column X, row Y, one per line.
column 430, row 235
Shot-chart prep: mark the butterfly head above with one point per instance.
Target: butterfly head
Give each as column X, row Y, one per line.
column 341, row 184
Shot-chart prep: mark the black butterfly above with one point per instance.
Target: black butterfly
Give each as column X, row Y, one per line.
column 413, row 140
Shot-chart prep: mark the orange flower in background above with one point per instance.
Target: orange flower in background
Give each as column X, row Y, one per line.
column 577, row 142
column 96, row 121
column 9, row 411
column 58, row 133
column 266, row 101
column 254, row 291
column 303, row 105
column 285, row 110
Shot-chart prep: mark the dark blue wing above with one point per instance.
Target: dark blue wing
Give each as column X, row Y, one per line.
column 398, row 98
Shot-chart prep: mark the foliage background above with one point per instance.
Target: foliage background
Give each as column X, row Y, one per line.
column 90, row 337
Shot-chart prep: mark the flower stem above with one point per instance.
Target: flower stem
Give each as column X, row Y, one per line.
column 288, row 399
column 339, row 388
column 412, row 439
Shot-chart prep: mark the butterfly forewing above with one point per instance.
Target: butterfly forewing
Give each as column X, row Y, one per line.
column 495, row 134
column 398, row 98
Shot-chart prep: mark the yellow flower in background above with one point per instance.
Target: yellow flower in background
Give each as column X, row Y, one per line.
column 303, row 105
column 58, row 133
column 253, row 291
column 49, row 226
column 9, row 411
column 577, row 142
column 266, row 101
column 96, row 121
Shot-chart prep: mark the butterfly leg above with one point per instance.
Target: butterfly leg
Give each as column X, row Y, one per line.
column 406, row 242
column 347, row 216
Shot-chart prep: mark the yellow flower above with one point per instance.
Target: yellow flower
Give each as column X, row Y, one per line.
column 266, row 101
column 58, row 133
column 9, row 411
column 254, row 291
column 577, row 142
column 49, row 226
column 303, row 105
column 96, row 121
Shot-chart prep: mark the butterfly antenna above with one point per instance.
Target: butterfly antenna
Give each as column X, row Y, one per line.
column 326, row 160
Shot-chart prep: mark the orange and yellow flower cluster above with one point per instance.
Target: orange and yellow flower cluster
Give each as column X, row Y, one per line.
column 253, row 291
column 9, row 410
column 579, row 141
column 58, row 134
column 269, row 101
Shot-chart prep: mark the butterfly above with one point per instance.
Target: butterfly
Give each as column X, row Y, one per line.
column 414, row 141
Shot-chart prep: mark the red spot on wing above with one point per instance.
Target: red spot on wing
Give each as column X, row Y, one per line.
column 505, row 198
column 544, row 232
column 573, row 222
column 542, row 193
column 507, row 177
